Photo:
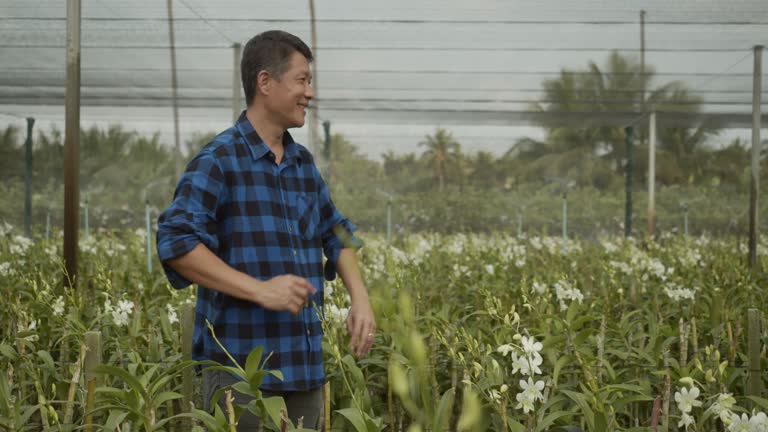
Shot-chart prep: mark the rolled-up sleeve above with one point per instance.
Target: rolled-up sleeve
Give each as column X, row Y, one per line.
column 191, row 217
column 337, row 232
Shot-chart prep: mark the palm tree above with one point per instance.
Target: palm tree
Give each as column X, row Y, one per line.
column 441, row 149
column 617, row 88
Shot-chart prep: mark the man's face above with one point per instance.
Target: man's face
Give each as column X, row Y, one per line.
column 290, row 94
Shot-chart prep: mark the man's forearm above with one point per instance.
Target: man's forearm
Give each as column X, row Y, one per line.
column 349, row 271
column 203, row 267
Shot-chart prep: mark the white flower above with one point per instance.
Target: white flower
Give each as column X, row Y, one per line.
column 5, row 269
column 722, row 407
column 518, row 363
column 125, row 306
column 678, row 293
column 489, row 268
column 335, row 314
column 121, row 312
column 527, row 365
column 609, row 247
column 52, row 253
column 328, row 290
column 530, row 346
column 505, row 349
column 758, row 422
column 536, row 243
column 32, row 325
column 5, row 228
column 686, row 399
column 173, row 317
column 58, row 306
column 739, row 424
column 540, row 287
column 520, row 262
column 531, row 391
column 494, row 395
column 20, row 245
column 685, row 420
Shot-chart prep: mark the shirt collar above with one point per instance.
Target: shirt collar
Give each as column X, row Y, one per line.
column 256, row 145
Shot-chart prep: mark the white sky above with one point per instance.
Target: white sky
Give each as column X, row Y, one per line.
column 491, row 55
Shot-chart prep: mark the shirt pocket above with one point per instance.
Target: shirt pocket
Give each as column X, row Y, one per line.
column 308, row 216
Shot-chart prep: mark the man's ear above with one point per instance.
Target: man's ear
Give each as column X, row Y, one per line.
column 263, row 82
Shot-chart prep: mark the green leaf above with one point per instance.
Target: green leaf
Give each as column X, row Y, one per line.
column 561, row 362
column 171, row 373
column 761, row 402
column 129, row 379
column 581, row 401
column 246, row 389
column 9, row 352
column 550, row 419
column 113, row 421
column 445, row 407
column 355, row 418
column 45, row 356
column 354, row 370
column 253, row 362
column 165, row 397
column 273, row 406
column 145, row 379
column 232, row 370
column 515, row 426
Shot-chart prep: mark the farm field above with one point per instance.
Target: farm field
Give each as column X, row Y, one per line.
column 488, row 332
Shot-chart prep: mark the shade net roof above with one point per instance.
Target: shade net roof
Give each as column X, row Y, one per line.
column 446, row 62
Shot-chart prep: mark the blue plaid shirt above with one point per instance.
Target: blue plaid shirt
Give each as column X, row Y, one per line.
column 265, row 220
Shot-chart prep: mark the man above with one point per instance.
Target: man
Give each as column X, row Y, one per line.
column 249, row 223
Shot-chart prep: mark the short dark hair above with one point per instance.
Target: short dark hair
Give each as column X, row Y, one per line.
column 270, row 51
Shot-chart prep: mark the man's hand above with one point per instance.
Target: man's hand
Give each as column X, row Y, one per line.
column 362, row 326
column 285, row 293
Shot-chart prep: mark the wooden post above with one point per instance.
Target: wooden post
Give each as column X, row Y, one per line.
column 237, row 85
column 314, row 111
column 327, row 406
column 92, row 360
column 754, row 381
column 187, row 330
column 174, row 90
column 755, row 189
column 628, row 192
column 28, row 179
column 651, row 174
column 72, row 144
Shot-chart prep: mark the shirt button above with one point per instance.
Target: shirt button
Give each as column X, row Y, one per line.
column 308, row 332
column 295, row 253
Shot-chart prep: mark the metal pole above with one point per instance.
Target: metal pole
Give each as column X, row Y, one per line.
column 48, row 224
column 87, row 227
column 149, row 232
column 313, row 113
column 236, row 82
column 28, row 179
column 327, row 149
column 174, row 89
column 628, row 210
column 651, row 174
column 389, row 221
column 755, row 189
column 565, row 223
column 72, row 143
column 642, row 60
